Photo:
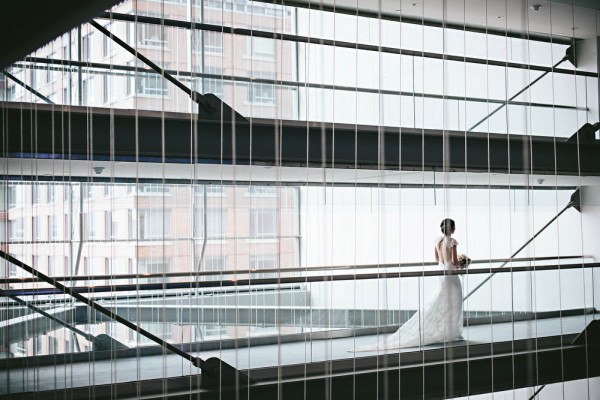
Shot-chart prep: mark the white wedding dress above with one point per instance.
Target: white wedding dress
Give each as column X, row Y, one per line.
column 441, row 320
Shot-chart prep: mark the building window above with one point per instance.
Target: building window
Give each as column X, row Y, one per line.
column 150, row 35
column 214, row 86
column 263, row 191
column 213, row 42
column 87, row 191
column 86, row 90
column 11, row 92
column 259, row 47
column 67, row 226
column 90, row 226
column 105, row 88
column 51, row 193
column 34, row 78
column 50, row 74
column 263, row 222
column 154, row 223
column 106, row 43
column 151, row 85
column 53, row 227
column 37, row 194
column 109, row 190
column 261, row 93
column 214, row 4
column 153, row 188
column 12, row 196
column 86, row 47
column 51, row 266
column 37, row 345
column 214, row 263
column 52, row 345
column 110, row 224
column 216, row 223
column 154, row 266
column 37, row 228
column 211, row 190
column 16, row 229
column 263, row 261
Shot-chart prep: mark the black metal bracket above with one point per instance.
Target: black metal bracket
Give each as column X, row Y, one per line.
column 586, row 134
column 590, row 335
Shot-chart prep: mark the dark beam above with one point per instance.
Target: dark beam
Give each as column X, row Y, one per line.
column 453, row 378
column 29, row 24
column 103, row 134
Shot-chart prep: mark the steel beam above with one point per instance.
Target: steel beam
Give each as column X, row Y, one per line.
column 277, row 143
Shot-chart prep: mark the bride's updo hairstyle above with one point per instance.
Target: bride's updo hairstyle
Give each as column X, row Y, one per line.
column 447, row 226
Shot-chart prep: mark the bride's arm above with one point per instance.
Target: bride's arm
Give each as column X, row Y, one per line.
column 437, row 257
column 455, row 257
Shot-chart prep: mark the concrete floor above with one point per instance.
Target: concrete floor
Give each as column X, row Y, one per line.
column 36, row 378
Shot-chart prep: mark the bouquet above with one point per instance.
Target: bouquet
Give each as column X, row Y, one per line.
column 464, row 261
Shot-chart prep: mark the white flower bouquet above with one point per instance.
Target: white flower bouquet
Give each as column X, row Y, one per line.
column 464, row 261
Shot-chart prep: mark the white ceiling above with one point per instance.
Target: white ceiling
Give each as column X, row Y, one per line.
column 552, row 17
column 78, row 170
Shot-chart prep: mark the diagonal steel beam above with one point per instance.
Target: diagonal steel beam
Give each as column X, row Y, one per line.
column 26, row 86
column 51, row 317
column 574, row 202
column 197, row 97
column 196, row 361
column 565, row 58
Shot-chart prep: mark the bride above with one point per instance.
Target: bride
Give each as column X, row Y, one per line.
column 442, row 318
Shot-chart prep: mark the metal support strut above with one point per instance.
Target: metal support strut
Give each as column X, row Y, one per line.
column 574, row 202
column 26, row 86
column 569, row 56
column 196, row 97
column 215, row 372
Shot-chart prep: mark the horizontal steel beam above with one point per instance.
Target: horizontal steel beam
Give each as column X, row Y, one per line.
column 66, row 133
column 460, row 373
column 333, row 43
column 128, row 70
column 278, row 271
column 283, row 280
column 433, row 373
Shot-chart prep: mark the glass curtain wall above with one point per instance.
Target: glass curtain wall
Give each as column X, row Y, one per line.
column 309, row 264
column 355, row 70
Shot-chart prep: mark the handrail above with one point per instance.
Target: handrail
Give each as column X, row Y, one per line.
column 294, row 279
column 278, row 270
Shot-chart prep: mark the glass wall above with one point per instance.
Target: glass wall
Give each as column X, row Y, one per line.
column 265, row 264
column 355, row 70
column 114, row 240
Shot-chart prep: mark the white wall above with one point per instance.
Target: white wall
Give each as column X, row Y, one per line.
column 590, row 211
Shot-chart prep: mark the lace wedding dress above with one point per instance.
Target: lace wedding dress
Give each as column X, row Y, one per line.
column 441, row 320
